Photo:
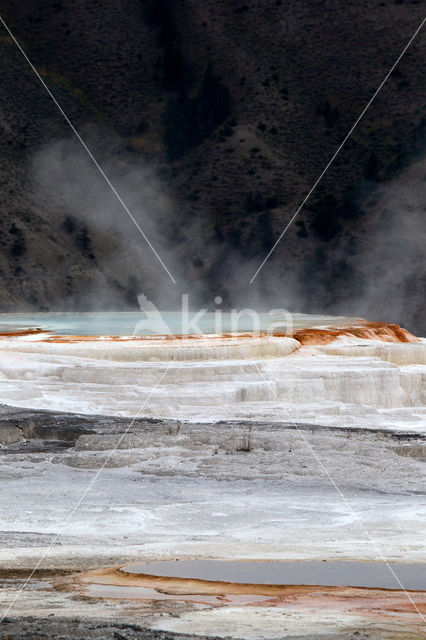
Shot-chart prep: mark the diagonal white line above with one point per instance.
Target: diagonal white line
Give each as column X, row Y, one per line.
column 82, row 497
column 86, row 148
column 344, row 499
column 336, row 153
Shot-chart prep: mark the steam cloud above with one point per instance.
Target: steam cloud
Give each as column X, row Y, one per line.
column 379, row 276
column 66, row 178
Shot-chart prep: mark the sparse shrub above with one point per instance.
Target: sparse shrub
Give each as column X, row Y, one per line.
column 327, row 218
column 400, row 80
column 172, row 63
column 70, row 224
column 254, row 202
column 85, row 243
column 331, row 114
column 19, row 245
column 218, row 233
column 189, row 121
column 227, row 131
column 302, row 233
column 142, row 127
column 272, row 202
column 372, row 168
column 266, row 233
column 174, row 66
column 174, row 431
column 234, row 236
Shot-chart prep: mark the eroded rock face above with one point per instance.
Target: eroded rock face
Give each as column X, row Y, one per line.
column 36, row 429
column 417, row 451
column 10, row 434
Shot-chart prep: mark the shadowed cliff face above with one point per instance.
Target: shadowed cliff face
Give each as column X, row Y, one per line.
column 213, row 121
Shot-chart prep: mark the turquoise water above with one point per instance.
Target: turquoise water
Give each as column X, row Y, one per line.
column 124, row 323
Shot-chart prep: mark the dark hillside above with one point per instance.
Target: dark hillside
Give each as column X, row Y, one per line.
column 214, row 119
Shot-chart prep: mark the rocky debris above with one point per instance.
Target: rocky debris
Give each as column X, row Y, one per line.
column 49, row 429
column 34, row 430
column 31, row 628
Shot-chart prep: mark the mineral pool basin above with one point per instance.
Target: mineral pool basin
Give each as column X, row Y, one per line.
column 137, row 323
column 375, row 575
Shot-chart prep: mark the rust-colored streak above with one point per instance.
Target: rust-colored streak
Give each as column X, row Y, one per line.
column 19, row 333
column 363, row 601
column 153, row 339
column 382, row 331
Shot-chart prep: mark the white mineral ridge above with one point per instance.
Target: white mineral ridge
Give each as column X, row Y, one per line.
column 348, row 382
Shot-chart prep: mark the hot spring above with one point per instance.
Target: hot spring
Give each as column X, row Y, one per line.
column 128, row 323
column 333, row 370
